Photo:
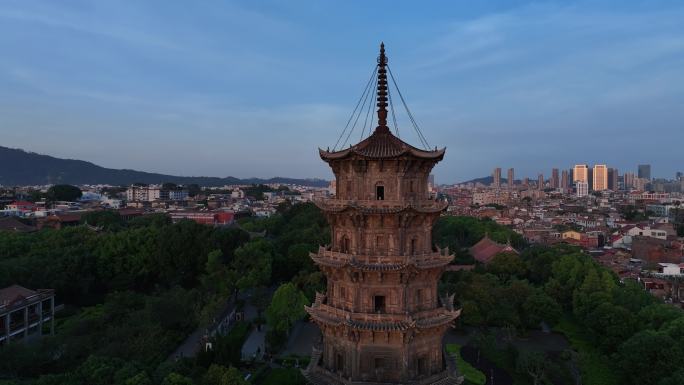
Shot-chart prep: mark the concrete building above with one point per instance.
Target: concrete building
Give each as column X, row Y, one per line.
column 431, row 183
column 580, row 173
column 511, row 177
column 582, row 189
column 600, row 175
column 540, row 182
column 613, row 179
column 565, row 180
column 178, row 194
column 25, row 313
column 644, row 171
column 151, row 193
column 555, row 180
column 671, row 269
column 628, row 180
column 496, row 177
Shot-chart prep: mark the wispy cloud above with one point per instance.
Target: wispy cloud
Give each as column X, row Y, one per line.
column 56, row 17
column 238, row 79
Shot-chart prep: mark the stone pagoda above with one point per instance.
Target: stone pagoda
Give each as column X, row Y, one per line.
column 381, row 318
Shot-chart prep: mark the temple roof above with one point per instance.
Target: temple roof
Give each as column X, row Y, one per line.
column 382, row 144
column 485, row 250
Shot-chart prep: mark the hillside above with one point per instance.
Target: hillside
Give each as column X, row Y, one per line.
column 21, row 168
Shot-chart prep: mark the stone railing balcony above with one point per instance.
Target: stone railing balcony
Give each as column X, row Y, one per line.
column 339, row 258
column 344, row 315
column 418, row 204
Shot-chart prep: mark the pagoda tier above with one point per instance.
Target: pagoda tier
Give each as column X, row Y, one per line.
column 330, row 316
column 374, row 263
column 380, row 206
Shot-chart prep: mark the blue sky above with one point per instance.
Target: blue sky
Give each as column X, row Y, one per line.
column 253, row 88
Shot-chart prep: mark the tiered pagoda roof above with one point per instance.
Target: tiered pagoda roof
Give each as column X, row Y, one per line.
column 382, row 144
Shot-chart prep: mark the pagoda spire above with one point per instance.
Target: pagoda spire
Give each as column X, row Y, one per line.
column 382, row 89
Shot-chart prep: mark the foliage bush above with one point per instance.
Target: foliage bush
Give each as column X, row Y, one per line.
column 469, row 373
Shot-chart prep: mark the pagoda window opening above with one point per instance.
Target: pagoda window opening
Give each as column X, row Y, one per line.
column 379, row 363
column 419, row 298
column 411, row 186
column 345, row 244
column 414, row 245
column 380, row 243
column 339, row 362
column 422, row 366
column 379, row 303
column 380, row 192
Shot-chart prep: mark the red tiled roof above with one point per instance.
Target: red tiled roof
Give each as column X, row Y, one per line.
column 485, row 250
column 22, row 203
column 13, row 224
column 11, row 294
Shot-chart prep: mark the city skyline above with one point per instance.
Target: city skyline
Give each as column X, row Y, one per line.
column 96, row 81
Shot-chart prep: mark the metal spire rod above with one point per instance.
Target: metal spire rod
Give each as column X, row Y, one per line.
column 410, row 115
column 358, row 103
column 382, row 87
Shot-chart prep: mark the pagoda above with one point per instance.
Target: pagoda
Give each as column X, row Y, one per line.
column 381, row 317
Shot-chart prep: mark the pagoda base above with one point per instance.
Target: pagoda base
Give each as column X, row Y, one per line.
column 318, row 375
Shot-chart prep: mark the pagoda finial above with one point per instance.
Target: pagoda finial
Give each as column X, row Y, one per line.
column 382, row 88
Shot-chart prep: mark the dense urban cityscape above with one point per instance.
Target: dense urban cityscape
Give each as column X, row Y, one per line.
column 631, row 224
column 362, row 263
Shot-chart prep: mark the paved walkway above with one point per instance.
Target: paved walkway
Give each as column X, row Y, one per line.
column 189, row 347
column 302, row 339
column 192, row 343
column 255, row 345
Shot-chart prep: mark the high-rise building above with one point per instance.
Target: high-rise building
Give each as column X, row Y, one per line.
column 555, row 182
column 431, row 182
column 628, row 180
column 496, row 177
column 582, row 189
column 564, row 180
column 644, row 171
column 600, row 176
column 511, row 177
column 613, row 179
column 526, row 182
column 540, row 182
column 381, row 317
column 580, row 173
column 640, row 184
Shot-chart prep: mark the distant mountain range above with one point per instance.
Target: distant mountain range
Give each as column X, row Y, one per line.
column 22, row 168
column 487, row 180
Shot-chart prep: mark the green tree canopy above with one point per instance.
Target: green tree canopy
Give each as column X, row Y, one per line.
column 63, row 192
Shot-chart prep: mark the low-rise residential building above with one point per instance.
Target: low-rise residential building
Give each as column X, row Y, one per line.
column 25, row 313
column 213, row 218
column 152, row 193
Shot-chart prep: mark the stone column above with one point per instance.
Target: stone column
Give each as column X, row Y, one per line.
column 26, row 321
column 7, row 327
column 40, row 317
column 52, row 315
